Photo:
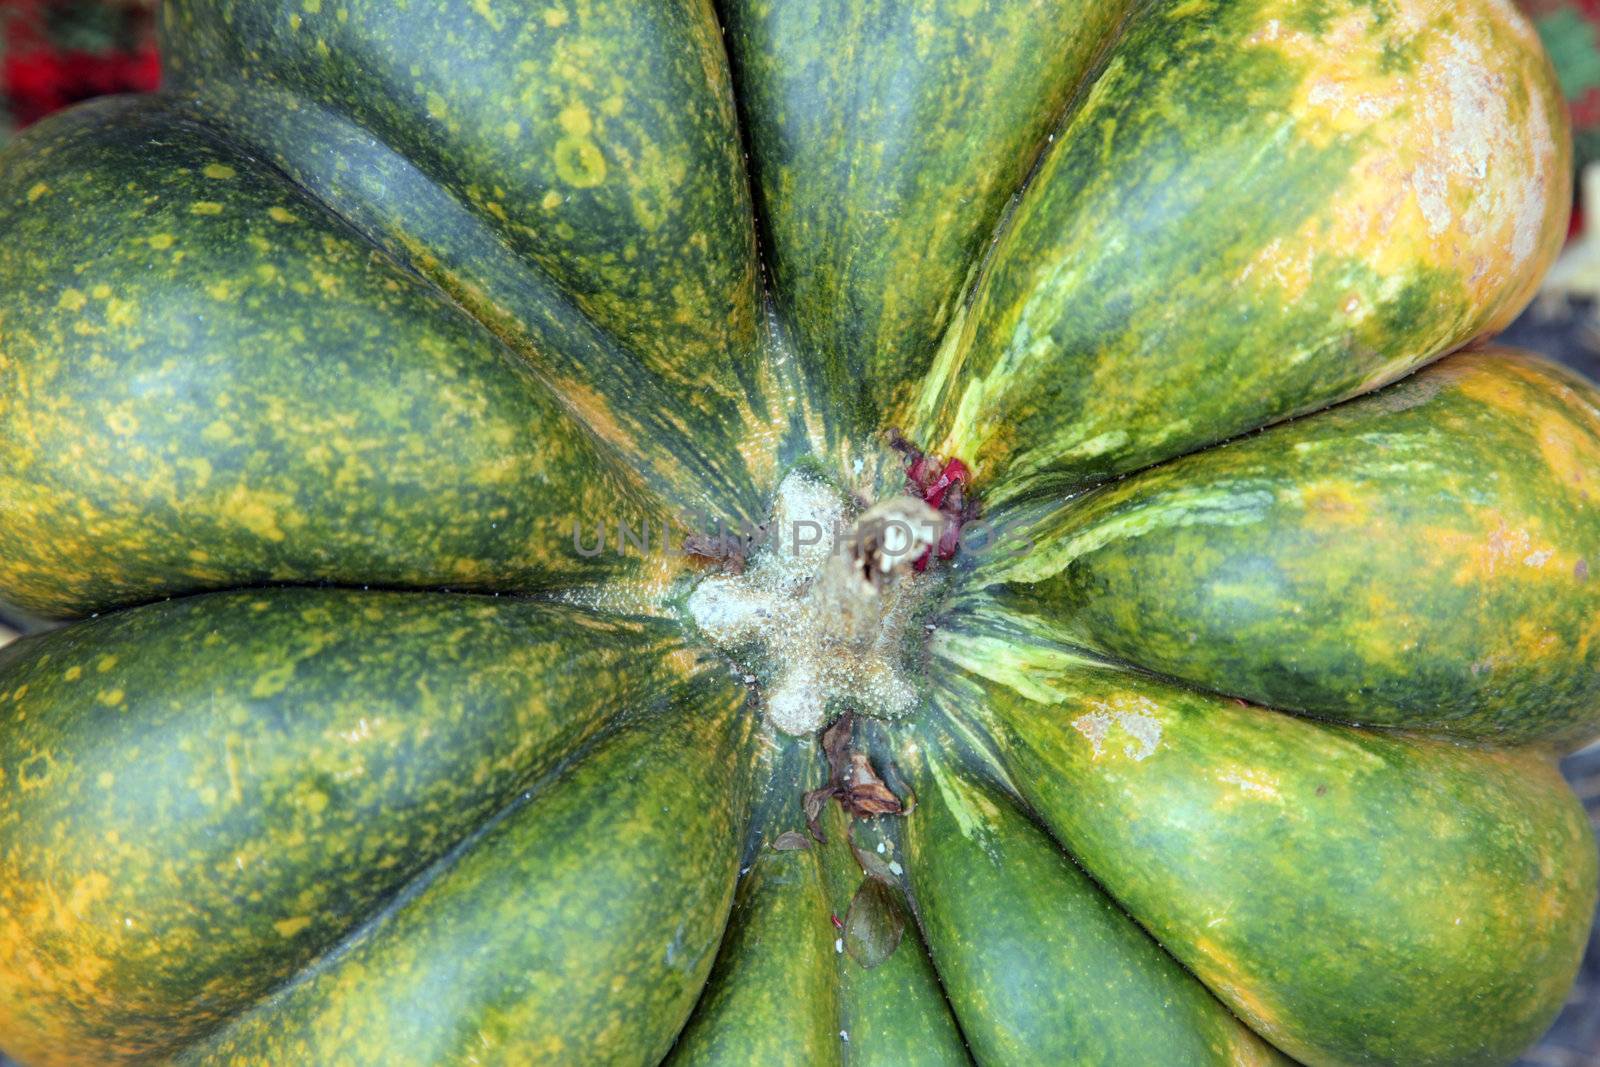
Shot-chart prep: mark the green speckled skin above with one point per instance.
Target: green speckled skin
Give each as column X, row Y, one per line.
column 321, row 749
column 864, row 115
column 570, row 173
column 579, row 927
column 784, row 990
column 895, row 1014
column 1416, row 558
column 1356, row 897
column 1187, row 265
column 208, row 380
column 311, row 362
column 772, row 996
column 1040, row 965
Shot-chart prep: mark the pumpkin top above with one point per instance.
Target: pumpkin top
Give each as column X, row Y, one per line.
column 317, row 366
column 831, row 608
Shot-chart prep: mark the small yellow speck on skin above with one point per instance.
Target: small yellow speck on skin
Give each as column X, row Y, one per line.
column 162, row 241
column 486, row 9
column 294, row 21
column 273, row 682
column 73, row 673
column 72, row 300
column 112, row 698
column 316, row 802
column 206, row 207
column 289, row 927
column 284, row 215
column 579, row 163
column 107, row 780
column 106, row 663
column 102, row 292
column 574, row 118
column 554, row 17
column 220, row 171
column 312, row 7
column 513, row 129
column 39, row 189
column 199, row 469
column 121, row 312
column 552, row 200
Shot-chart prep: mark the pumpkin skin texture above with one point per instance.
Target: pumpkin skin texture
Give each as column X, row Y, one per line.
column 419, row 424
column 320, row 368
column 1480, row 618
column 1122, row 998
column 627, row 276
column 1391, row 854
column 1345, row 284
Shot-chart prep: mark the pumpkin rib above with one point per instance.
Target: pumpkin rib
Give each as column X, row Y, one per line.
column 1090, row 983
column 467, row 299
column 883, row 1012
column 408, row 892
column 982, row 768
column 646, row 434
column 414, row 887
column 817, row 87
column 1003, row 662
column 896, row 1013
column 1309, row 872
column 986, row 644
column 214, row 385
column 304, row 1024
column 771, row 994
column 944, row 999
column 174, row 769
column 672, row 405
column 1329, row 568
column 1133, row 312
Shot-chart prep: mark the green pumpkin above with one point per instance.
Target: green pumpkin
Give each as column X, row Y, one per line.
column 1042, row 710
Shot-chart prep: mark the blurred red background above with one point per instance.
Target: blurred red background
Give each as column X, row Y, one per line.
column 54, row 53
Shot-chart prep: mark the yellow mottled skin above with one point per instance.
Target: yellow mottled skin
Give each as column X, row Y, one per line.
column 313, row 364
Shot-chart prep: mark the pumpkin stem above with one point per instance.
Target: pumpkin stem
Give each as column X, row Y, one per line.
column 823, row 610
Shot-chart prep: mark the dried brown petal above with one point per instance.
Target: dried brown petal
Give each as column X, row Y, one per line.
column 813, row 803
column 865, row 794
column 872, row 864
column 874, row 925
column 791, row 841
column 836, row 746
